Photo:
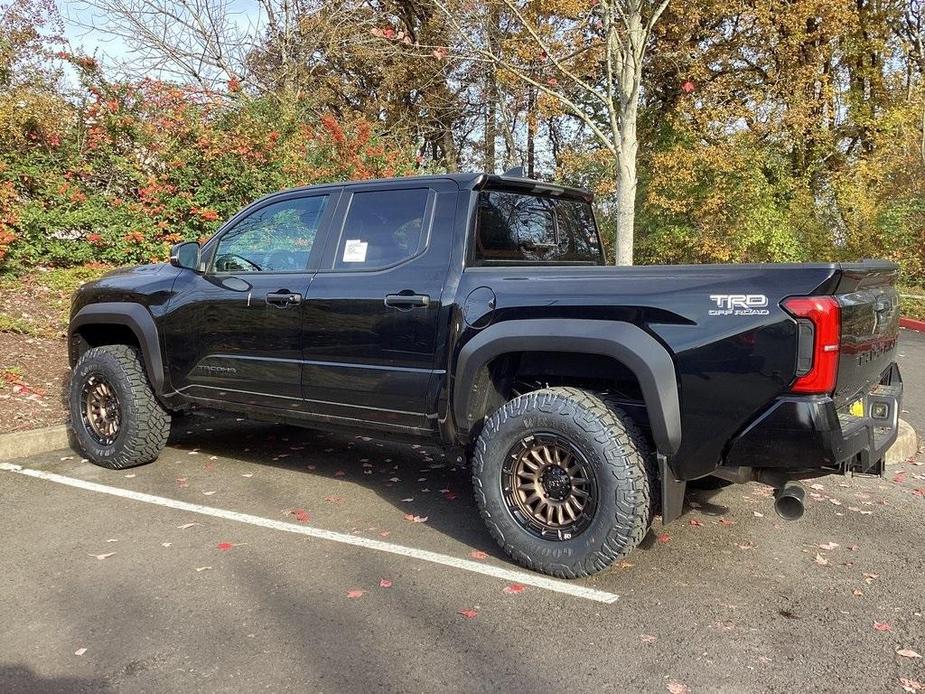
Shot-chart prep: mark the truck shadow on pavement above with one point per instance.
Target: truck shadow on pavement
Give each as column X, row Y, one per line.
column 418, row 480
column 20, row 679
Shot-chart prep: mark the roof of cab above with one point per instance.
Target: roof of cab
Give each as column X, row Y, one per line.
column 467, row 181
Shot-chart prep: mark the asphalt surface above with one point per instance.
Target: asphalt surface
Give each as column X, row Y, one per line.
column 727, row 599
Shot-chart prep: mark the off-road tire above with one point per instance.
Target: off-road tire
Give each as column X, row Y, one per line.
column 623, row 464
column 144, row 425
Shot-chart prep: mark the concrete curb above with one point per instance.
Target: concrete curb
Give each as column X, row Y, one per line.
column 906, row 446
column 19, row 444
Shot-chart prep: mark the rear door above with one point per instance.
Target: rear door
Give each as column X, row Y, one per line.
column 234, row 331
column 371, row 317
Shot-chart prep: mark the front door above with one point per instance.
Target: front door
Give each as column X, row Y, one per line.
column 374, row 306
column 234, row 331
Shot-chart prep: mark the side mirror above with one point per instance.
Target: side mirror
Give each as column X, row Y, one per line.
column 185, row 255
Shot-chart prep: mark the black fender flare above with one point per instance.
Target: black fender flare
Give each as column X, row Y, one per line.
column 139, row 320
column 641, row 353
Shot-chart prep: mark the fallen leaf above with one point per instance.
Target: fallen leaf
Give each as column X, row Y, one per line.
column 829, row 545
column 514, row 588
column 857, row 592
column 911, row 686
column 468, row 614
column 696, row 523
column 757, row 514
column 355, row 593
column 385, row 583
column 822, row 561
column 340, row 473
column 334, row 499
column 882, row 626
column 130, row 475
column 80, row 651
column 870, row 578
column 450, row 496
column 919, row 492
column 187, row 526
column 415, row 519
column 208, row 493
column 726, row 522
column 677, row 688
column 166, row 544
column 224, row 546
column 900, row 477
column 385, row 533
column 746, row 545
column 203, row 568
column 247, row 474
column 835, row 502
column 647, row 638
column 101, row 556
column 816, row 486
column 301, row 515
column 664, row 538
column 477, row 554
column 182, row 482
column 908, row 653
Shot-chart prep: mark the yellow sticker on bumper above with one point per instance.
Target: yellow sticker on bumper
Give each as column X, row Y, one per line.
column 856, row 409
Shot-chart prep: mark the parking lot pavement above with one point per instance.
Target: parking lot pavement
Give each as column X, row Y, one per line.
column 159, row 598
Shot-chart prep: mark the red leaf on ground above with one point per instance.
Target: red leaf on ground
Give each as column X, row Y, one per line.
column 301, row 515
column 385, row 583
column 899, row 478
column 677, row 688
column 410, row 517
column 355, row 593
column 333, row 499
column 647, row 638
column 385, row 533
column 664, row 538
column 340, row 473
column 882, row 626
column 224, row 546
column 182, row 482
column 450, row 496
column 514, row 588
column 919, row 492
column 726, row 522
column 696, row 523
column 468, row 614
column 478, row 554
column 910, row 686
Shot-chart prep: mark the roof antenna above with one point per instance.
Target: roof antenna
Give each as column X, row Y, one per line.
column 516, row 172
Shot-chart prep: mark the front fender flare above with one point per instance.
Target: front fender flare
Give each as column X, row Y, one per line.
column 138, row 319
column 641, row 353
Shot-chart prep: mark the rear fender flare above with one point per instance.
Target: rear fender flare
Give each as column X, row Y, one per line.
column 628, row 344
column 138, row 319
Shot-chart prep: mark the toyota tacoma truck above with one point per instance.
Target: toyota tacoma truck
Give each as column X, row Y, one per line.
column 477, row 312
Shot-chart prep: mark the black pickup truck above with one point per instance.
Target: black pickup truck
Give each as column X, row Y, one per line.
column 477, row 312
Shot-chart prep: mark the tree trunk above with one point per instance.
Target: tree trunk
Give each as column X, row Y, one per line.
column 626, row 209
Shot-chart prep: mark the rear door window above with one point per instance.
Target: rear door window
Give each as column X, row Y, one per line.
column 382, row 228
column 521, row 228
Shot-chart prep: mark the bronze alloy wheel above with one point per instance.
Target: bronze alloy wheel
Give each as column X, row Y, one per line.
column 549, row 487
column 100, row 410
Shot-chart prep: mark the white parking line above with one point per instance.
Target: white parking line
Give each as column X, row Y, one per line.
column 528, row 579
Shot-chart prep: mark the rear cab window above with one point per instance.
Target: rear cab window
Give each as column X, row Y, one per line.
column 514, row 228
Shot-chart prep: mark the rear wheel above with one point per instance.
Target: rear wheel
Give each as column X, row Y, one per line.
column 564, row 481
column 116, row 420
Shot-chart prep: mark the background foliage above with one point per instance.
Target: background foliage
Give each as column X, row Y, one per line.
column 788, row 131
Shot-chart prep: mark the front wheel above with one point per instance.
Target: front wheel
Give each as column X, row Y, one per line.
column 116, row 420
column 564, row 481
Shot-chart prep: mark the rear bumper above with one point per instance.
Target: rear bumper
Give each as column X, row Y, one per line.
column 806, row 433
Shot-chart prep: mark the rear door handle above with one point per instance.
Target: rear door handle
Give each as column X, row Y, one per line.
column 284, row 298
column 407, row 300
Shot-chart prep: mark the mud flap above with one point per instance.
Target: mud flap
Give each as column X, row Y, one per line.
column 672, row 491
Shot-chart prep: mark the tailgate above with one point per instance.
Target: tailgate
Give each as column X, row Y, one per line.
column 869, row 326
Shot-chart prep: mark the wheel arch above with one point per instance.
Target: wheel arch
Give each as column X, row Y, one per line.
column 625, row 343
column 114, row 323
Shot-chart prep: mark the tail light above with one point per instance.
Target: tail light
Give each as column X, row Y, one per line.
column 819, row 333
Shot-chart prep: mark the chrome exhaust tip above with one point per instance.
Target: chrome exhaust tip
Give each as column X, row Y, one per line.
column 790, row 501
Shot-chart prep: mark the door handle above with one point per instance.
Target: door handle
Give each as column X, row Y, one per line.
column 284, row 298
column 407, row 300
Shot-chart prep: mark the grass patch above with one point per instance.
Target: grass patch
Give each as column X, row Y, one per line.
column 912, row 307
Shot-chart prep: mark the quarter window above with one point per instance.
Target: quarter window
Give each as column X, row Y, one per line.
column 276, row 238
column 520, row 228
column 382, row 228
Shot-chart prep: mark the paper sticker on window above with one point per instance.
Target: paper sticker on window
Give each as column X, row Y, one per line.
column 355, row 251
